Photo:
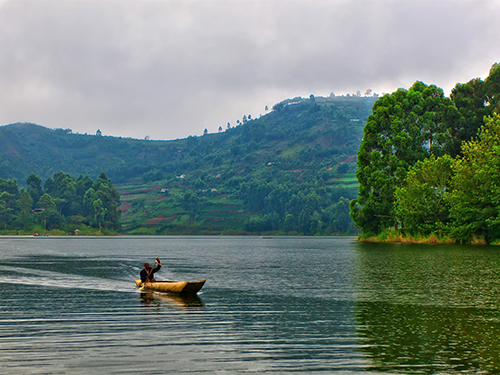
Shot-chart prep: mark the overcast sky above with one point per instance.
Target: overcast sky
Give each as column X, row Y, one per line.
column 170, row 69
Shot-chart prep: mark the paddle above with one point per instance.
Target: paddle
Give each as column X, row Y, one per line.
column 151, row 270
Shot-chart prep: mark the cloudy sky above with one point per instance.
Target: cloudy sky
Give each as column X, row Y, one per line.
column 171, row 68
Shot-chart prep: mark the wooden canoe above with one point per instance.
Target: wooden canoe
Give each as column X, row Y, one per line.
column 181, row 287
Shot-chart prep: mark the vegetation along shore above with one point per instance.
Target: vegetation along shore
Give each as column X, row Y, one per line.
column 428, row 165
column 410, row 166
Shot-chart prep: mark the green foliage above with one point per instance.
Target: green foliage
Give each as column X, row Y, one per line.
column 405, row 128
column 306, row 148
column 422, row 203
column 191, row 204
column 64, row 204
column 475, row 199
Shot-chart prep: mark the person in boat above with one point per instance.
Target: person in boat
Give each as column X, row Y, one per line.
column 147, row 274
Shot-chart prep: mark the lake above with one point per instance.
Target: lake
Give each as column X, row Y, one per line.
column 270, row 306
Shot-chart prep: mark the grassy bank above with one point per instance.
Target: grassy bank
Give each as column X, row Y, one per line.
column 398, row 237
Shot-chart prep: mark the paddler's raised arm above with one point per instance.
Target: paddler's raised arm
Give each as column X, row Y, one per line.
column 159, row 265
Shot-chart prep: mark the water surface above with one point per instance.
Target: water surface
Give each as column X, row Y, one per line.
column 280, row 306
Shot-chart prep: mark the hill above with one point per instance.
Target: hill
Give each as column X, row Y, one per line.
column 290, row 171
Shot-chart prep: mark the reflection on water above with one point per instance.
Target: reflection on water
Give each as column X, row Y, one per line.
column 182, row 301
column 70, row 306
column 290, row 305
column 429, row 339
column 429, row 309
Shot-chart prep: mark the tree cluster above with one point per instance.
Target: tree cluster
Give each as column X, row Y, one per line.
column 302, row 151
column 297, row 207
column 63, row 203
column 417, row 160
column 456, row 197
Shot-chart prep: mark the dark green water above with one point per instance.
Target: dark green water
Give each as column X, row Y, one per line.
column 278, row 306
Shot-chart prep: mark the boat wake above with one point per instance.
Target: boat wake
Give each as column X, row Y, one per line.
column 28, row 276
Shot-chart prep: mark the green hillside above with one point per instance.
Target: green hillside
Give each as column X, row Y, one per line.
column 290, row 171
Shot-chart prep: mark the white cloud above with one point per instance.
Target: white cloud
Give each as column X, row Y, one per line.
column 170, row 69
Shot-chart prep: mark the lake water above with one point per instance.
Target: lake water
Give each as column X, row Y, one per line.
column 270, row 306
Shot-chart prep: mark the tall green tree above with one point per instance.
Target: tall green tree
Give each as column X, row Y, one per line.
column 405, row 127
column 34, row 187
column 110, row 199
column 50, row 218
column 99, row 213
column 25, row 203
column 25, row 214
column 5, row 211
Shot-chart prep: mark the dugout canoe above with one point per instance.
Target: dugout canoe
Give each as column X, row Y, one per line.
column 181, row 287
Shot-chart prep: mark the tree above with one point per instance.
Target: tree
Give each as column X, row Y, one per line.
column 492, row 88
column 65, row 204
column 191, row 203
column 24, row 208
column 34, row 187
column 51, row 218
column 474, row 101
column 10, row 186
column 110, row 198
column 46, row 202
column 405, row 127
column 475, row 199
column 99, row 213
column 340, row 220
column 88, row 202
column 25, row 203
column 422, row 203
column 5, row 211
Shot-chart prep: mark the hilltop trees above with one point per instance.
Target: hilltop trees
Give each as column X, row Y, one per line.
column 64, row 203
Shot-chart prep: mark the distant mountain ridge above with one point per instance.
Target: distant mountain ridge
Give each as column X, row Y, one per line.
column 301, row 142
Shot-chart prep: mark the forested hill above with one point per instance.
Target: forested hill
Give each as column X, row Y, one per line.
column 284, row 172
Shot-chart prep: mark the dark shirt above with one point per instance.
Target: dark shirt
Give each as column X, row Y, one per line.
column 144, row 273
